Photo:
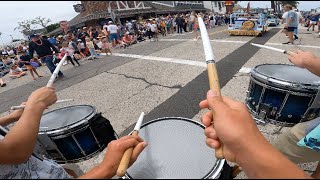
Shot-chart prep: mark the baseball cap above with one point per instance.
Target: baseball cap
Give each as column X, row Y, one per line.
column 34, row 35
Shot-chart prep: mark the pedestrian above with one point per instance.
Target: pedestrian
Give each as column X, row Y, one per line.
column 196, row 29
column 82, row 48
column 113, row 33
column 105, row 46
column 25, row 59
column 313, row 21
column 43, row 49
column 66, row 49
column 91, row 48
column 179, row 24
column 291, row 23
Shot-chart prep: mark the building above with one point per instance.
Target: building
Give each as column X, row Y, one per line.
column 92, row 13
column 215, row 6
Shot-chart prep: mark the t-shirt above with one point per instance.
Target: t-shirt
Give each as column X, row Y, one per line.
column 299, row 16
column 112, row 29
column 26, row 59
column 90, row 44
column 192, row 18
column 292, row 15
column 284, row 16
column 33, row 168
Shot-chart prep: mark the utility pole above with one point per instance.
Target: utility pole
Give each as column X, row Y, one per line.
column 1, row 39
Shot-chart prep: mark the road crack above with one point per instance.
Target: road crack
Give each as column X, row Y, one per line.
column 149, row 83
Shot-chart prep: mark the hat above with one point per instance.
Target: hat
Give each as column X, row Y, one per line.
column 110, row 22
column 79, row 40
column 84, row 28
column 101, row 36
column 60, row 36
column 127, row 33
column 34, row 35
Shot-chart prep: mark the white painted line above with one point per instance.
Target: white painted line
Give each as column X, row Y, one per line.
column 245, row 70
column 163, row 59
column 241, row 42
column 223, row 41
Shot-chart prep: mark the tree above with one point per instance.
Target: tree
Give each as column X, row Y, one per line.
column 52, row 27
column 292, row 3
column 25, row 27
column 42, row 21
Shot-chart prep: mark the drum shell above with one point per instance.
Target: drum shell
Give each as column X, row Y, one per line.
column 93, row 130
column 293, row 95
column 218, row 167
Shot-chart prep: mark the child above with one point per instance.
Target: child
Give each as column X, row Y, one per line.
column 16, row 72
column 66, row 49
column 105, row 47
column 91, row 48
column 25, row 59
column 82, row 48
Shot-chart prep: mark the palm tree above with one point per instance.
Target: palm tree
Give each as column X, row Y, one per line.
column 292, row 3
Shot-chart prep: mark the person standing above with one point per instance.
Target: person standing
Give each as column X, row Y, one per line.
column 299, row 19
column 179, row 24
column 113, row 33
column 313, row 21
column 91, row 48
column 291, row 23
column 43, row 48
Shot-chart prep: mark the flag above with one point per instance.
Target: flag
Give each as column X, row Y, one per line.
column 248, row 7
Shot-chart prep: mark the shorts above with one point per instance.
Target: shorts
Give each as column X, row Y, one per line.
column 286, row 143
column 113, row 36
column 290, row 29
column 313, row 22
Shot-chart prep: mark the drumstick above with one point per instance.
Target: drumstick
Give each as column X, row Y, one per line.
column 212, row 71
column 23, row 106
column 124, row 163
column 272, row 48
column 56, row 71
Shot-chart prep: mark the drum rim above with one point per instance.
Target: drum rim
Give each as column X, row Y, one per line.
column 72, row 125
column 280, row 82
column 217, row 167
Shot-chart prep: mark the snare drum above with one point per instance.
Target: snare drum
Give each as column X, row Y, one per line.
column 176, row 150
column 283, row 94
column 74, row 133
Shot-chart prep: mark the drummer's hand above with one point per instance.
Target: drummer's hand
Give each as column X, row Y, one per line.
column 42, row 97
column 16, row 114
column 116, row 149
column 301, row 58
column 233, row 125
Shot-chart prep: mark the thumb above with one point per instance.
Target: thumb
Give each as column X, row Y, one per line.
column 215, row 101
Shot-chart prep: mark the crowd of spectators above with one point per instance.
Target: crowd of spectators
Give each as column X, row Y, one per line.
column 89, row 42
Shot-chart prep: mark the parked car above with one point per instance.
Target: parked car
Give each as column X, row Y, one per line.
column 272, row 20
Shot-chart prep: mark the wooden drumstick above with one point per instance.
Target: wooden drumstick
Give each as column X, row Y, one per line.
column 235, row 171
column 212, row 71
column 124, row 163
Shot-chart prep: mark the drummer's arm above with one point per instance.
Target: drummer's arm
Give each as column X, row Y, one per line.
column 17, row 146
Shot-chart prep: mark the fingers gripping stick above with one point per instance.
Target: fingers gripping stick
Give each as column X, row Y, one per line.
column 124, row 163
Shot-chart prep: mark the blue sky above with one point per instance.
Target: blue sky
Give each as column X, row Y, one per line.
column 11, row 12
